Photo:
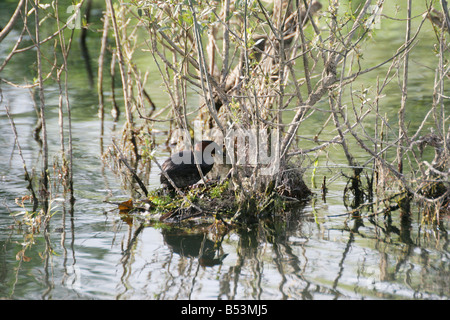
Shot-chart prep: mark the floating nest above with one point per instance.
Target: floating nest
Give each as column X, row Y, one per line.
column 222, row 202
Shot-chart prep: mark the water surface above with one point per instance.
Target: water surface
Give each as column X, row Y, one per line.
column 90, row 252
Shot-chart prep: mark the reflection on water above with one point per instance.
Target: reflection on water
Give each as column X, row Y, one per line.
column 194, row 246
column 314, row 252
column 89, row 254
column 92, row 253
column 293, row 259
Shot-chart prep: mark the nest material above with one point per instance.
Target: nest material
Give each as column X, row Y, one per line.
column 222, row 201
column 292, row 185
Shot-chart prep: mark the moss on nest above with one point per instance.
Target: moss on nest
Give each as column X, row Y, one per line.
column 220, row 202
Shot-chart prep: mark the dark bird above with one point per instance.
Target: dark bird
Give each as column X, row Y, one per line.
column 182, row 168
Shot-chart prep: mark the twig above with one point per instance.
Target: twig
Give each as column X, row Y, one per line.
column 204, row 74
column 8, row 27
column 446, row 15
column 101, row 109
column 68, row 23
column 42, row 110
column 65, row 53
column 401, row 113
column 121, row 61
column 27, row 175
column 133, row 173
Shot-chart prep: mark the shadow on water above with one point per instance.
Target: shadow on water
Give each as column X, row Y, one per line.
column 197, row 246
column 291, row 258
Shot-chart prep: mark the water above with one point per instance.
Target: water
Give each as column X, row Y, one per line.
column 316, row 252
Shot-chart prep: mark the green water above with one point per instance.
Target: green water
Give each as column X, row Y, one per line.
column 315, row 253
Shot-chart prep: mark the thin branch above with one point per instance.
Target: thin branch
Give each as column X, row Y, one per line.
column 27, row 175
column 8, row 27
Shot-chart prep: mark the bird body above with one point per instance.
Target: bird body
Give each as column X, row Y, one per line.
column 183, row 167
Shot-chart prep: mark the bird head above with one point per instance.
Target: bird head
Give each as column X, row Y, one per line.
column 208, row 147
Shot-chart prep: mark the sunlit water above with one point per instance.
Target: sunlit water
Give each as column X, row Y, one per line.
column 314, row 253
